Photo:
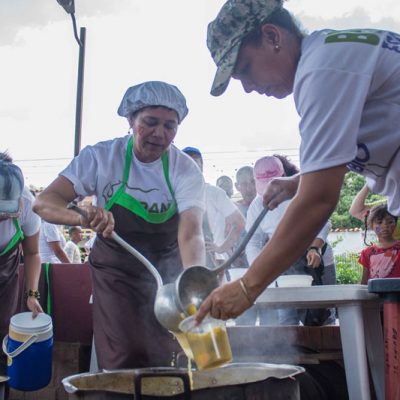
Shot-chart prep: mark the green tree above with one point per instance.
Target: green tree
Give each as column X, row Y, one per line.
column 341, row 217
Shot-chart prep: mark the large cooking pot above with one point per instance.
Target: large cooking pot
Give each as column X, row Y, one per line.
column 238, row 381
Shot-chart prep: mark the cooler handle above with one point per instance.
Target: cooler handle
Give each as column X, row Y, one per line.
column 167, row 372
column 19, row 349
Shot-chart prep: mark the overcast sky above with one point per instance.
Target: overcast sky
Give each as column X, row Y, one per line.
column 130, row 41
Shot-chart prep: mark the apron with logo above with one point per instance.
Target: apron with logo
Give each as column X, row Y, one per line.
column 126, row 331
column 9, row 262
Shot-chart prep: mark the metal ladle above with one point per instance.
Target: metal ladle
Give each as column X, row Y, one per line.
column 195, row 283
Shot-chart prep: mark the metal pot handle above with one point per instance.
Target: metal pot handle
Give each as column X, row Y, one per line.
column 139, row 374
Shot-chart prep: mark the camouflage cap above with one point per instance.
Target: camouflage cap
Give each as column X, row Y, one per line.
column 235, row 20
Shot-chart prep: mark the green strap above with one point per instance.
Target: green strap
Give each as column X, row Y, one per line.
column 19, row 235
column 47, row 267
column 123, row 199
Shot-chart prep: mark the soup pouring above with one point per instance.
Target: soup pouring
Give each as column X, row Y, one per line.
column 174, row 301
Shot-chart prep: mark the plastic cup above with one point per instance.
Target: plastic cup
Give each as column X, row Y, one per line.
column 209, row 342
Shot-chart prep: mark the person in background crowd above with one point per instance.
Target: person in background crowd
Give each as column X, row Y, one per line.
column 360, row 209
column 19, row 232
column 222, row 221
column 71, row 248
column 246, row 186
column 226, row 184
column 51, row 244
column 152, row 195
column 318, row 255
column 259, row 43
column 381, row 260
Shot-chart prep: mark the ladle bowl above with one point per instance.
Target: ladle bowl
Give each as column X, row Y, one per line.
column 194, row 284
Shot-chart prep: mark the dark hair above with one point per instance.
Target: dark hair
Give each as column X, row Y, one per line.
column 288, row 166
column 375, row 213
column 222, row 177
column 280, row 17
column 72, row 229
column 4, row 156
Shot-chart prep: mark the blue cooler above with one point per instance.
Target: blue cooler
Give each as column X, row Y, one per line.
column 29, row 348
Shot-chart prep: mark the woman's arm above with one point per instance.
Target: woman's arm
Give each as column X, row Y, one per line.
column 358, row 207
column 364, row 277
column 30, row 247
column 190, row 237
column 316, row 198
column 52, row 203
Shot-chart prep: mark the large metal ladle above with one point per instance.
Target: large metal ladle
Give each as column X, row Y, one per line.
column 195, row 283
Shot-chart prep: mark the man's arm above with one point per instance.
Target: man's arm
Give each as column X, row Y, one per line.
column 190, row 237
column 316, row 198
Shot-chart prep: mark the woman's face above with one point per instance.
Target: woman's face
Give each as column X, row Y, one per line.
column 155, row 128
column 264, row 69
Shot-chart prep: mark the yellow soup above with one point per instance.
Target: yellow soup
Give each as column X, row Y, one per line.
column 210, row 349
column 183, row 342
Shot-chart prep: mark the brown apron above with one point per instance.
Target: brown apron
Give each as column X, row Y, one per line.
column 126, row 331
column 9, row 263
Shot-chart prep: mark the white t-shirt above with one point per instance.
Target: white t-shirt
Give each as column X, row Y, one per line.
column 218, row 208
column 29, row 221
column 73, row 253
column 268, row 226
column 98, row 170
column 49, row 233
column 347, row 93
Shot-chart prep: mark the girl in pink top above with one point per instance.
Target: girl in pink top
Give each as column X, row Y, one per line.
column 381, row 260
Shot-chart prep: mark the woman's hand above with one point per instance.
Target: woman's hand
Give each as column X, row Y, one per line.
column 34, row 306
column 227, row 301
column 98, row 219
column 313, row 258
column 279, row 190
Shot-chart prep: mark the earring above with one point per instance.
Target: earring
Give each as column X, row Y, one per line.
column 277, row 48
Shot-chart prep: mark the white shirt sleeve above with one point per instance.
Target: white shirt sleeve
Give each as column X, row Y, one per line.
column 329, row 124
column 189, row 185
column 30, row 221
column 323, row 234
column 82, row 172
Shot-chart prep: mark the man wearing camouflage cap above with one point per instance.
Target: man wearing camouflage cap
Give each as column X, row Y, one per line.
column 347, row 92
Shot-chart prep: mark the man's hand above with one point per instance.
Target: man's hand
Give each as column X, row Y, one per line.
column 279, row 190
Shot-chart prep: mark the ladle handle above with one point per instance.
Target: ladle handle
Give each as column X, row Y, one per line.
column 243, row 244
column 152, row 269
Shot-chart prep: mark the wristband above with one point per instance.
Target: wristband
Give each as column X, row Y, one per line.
column 245, row 291
column 317, row 249
column 32, row 293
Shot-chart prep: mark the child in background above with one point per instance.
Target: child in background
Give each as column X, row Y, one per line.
column 381, row 260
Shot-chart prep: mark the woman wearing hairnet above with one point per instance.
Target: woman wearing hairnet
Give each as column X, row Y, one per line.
column 19, row 232
column 152, row 195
